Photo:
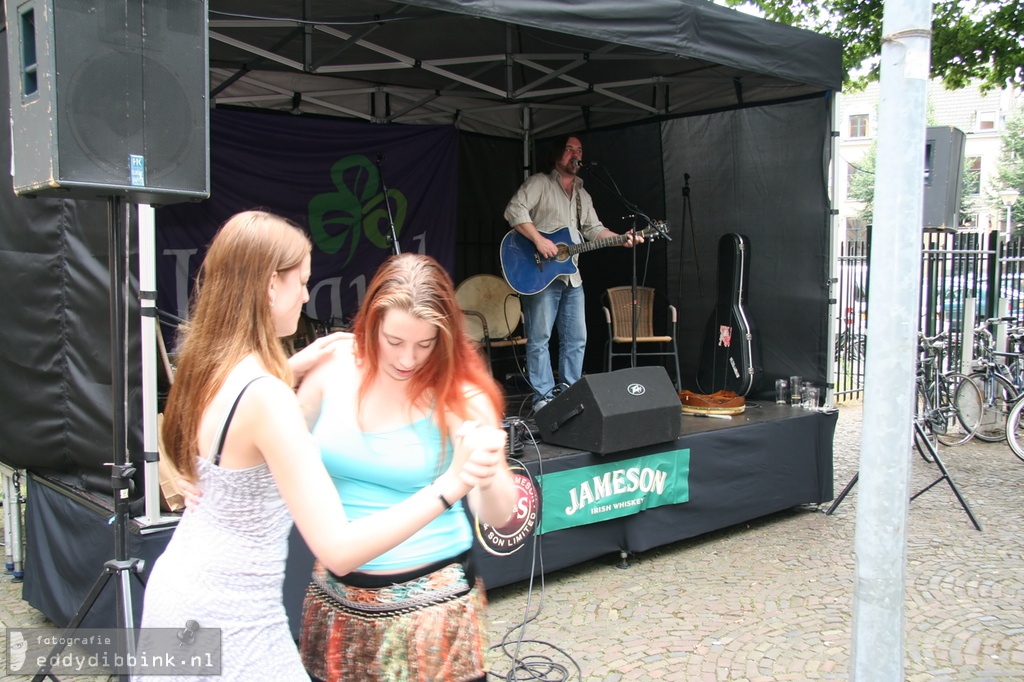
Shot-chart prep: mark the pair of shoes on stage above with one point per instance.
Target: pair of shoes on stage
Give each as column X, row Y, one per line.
column 720, row 402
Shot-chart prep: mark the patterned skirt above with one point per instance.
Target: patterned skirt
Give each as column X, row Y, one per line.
column 425, row 628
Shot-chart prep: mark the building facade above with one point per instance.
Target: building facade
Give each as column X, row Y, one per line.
column 981, row 116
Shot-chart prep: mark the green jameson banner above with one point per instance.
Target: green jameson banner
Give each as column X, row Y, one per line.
column 609, row 491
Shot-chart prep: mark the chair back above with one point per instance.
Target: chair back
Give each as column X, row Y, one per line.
column 620, row 304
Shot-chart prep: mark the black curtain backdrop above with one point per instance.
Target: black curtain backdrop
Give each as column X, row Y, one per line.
column 762, row 172
column 490, row 171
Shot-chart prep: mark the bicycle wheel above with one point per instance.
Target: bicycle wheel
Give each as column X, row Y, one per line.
column 923, row 415
column 960, row 409
column 998, row 395
column 1015, row 430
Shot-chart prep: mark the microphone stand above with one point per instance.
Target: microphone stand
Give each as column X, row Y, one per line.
column 614, row 189
column 392, row 237
column 688, row 211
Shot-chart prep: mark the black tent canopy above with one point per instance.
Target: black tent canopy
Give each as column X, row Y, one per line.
column 536, row 67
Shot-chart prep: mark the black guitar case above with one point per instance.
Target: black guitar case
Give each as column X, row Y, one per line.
column 730, row 354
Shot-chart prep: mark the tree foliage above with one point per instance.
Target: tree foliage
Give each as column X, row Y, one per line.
column 1011, row 166
column 972, row 40
column 862, row 185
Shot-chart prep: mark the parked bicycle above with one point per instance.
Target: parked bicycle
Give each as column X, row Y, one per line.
column 949, row 404
column 1015, row 430
column 851, row 344
column 999, row 375
column 1014, row 427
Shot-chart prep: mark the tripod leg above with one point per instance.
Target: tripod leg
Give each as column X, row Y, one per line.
column 97, row 587
column 934, row 453
column 846, row 491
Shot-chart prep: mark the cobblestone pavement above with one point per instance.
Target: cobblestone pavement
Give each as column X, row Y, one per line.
column 771, row 599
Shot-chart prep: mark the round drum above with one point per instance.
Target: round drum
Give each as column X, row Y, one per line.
column 491, row 296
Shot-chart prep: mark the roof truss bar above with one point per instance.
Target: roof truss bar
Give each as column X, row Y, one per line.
column 556, row 73
column 600, row 55
column 417, row 104
column 429, row 98
column 358, row 36
column 248, row 67
column 471, row 114
column 357, row 68
column 459, row 61
column 585, row 87
column 539, row 129
column 405, row 59
column 254, row 23
column 266, row 54
column 462, row 113
column 250, row 80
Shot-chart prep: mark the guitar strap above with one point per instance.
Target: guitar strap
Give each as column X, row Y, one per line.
column 579, row 211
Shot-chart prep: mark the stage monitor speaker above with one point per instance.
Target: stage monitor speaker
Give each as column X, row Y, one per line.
column 943, row 176
column 613, row 411
column 110, row 98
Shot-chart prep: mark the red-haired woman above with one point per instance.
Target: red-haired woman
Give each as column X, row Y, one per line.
column 414, row 612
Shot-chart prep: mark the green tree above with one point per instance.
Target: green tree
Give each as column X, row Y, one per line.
column 972, row 40
column 862, row 185
column 1010, row 173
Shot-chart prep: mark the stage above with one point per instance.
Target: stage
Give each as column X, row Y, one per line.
column 718, row 473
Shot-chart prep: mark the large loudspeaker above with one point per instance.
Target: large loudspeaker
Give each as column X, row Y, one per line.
column 614, row 411
column 109, row 98
column 943, row 176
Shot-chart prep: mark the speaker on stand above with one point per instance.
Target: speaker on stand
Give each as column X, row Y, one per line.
column 120, row 109
column 119, row 112
column 943, row 176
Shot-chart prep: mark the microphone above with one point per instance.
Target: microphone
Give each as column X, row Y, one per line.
column 579, row 163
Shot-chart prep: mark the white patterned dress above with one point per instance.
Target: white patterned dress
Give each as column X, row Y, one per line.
column 224, row 568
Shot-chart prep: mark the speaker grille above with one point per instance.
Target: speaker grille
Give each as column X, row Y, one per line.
column 129, row 80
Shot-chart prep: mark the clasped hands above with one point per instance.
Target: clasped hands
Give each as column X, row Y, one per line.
column 479, row 454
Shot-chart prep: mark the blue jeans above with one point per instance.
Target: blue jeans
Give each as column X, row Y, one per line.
column 563, row 306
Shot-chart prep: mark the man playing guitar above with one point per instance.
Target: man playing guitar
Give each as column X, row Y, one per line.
column 541, row 206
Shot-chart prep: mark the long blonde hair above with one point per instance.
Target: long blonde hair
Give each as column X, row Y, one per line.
column 230, row 320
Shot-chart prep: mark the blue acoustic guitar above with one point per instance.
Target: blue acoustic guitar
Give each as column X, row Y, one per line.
column 529, row 273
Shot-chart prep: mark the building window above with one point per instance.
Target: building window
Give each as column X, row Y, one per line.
column 856, row 231
column 972, row 176
column 986, row 120
column 859, row 125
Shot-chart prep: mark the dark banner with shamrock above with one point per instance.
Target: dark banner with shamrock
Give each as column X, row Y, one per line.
column 335, row 178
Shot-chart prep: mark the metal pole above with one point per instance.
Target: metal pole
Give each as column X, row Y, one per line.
column 884, row 496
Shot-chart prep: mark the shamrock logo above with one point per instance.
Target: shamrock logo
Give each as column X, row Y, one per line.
column 338, row 220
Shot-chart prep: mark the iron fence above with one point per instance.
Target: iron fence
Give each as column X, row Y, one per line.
column 956, row 267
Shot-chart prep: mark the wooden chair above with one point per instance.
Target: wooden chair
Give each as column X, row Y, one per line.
column 618, row 314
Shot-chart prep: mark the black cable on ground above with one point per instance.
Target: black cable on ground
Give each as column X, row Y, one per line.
column 533, row 666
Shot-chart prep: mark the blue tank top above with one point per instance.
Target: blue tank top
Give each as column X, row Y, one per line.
column 374, row 471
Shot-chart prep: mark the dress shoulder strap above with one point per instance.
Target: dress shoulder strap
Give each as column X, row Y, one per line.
column 223, row 431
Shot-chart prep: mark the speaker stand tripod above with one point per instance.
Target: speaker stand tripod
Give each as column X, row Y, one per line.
column 920, row 437
column 121, row 567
